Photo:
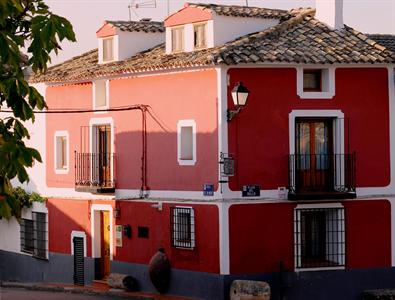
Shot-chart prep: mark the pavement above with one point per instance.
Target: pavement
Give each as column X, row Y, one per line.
column 55, row 291
column 24, row 294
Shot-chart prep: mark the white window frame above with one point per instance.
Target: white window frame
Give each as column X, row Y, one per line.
column 180, row 124
column 107, row 95
column 205, row 35
column 96, row 229
column 112, row 49
column 182, row 28
column 61, row 133
column 80, row 234
column 95, row 122
column 181, row 245
column 338, row 134
column 297, row 237
column 328, row 83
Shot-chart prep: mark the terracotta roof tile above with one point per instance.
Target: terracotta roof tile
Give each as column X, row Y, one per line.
column 144, row 26
column 243, row 11
column 298, row 40
column 386, row 40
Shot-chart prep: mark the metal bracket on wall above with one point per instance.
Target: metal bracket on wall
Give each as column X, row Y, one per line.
column 227, row 167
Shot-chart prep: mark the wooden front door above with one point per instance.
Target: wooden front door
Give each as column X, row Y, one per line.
column 104, row 152
column 105, row 243
column 314, row 159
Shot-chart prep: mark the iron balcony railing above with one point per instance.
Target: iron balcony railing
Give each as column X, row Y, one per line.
column 322, row 173
column 94, row 171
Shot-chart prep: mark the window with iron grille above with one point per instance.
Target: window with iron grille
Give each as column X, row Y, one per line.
column 34, row 235
column 182, row 227
column 319, row 237
column 27, row 236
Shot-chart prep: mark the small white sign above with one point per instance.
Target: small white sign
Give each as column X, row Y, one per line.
column 118, row 235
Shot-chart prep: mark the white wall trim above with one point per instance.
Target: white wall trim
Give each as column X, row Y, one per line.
column 97, row 122
column 224, row 253
column 107, row 95
column 339, row 145
column 62, row 133
column 96, row 237
column 319, row 269
column 328, row 83
column 319, row 205
column 178, row 244
column 180, row 124
column 222, row 99
column 336, row 208
column 80, row 234
column 115, row 49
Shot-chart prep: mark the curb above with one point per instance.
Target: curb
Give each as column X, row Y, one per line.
column 72, row 290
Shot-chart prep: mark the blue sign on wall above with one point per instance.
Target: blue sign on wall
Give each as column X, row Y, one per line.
column 251, row 191
column 208, row 189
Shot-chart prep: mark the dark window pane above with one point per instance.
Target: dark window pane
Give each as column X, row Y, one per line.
column 312, row 80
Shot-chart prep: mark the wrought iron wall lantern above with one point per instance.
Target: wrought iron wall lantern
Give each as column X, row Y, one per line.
column 240, row 96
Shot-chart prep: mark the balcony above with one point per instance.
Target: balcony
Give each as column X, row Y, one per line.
column 321, row 176
column 94, row 172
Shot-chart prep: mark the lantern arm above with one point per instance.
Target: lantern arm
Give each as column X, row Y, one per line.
column 232, row 113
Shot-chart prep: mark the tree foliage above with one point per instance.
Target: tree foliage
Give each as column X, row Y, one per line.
column 26, row 26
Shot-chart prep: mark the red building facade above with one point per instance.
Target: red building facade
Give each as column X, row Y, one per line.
column 294, row 188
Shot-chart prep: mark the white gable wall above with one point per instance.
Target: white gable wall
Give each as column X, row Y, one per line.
column 221, row 30
column 131, row 43
column 126, row 44
column 229, row 28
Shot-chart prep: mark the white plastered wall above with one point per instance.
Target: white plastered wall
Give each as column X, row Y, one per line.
column 131, row 43
column 10, row 236
column 126, row 44
column 330, row 12
column 229, row 28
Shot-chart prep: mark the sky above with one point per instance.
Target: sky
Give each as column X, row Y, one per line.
column 87, row 16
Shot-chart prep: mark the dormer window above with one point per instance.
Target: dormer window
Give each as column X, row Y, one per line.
column 312, row 80
column 177, row 37
column 200, row 40
column 108, row 49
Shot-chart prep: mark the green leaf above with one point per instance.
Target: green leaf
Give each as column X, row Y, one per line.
column 23, row 23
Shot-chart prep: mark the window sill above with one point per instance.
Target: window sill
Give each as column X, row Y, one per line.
column 185, row 162
column 104, row 108
column 184, row 248
column 62, row 171
column 316, row 95
column 34, row 256
column 319, row 269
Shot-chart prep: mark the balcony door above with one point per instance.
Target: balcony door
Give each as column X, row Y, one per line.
column 314, row 151
column 104, row 154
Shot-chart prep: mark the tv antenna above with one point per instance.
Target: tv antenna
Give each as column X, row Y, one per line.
column 137, row 4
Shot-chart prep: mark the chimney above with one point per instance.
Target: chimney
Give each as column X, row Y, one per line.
column 330, row 12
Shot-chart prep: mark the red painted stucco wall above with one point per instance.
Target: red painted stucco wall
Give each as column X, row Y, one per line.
column 67, row 215
column 259, row 135
column 262, row 236
column 205, row 256
column 171, row 97
column 368, row 235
